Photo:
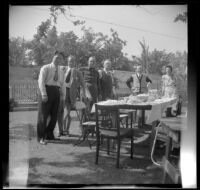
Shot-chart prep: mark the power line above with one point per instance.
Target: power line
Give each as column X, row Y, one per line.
column 111, row 23
column 40, row 9
column 130, row 27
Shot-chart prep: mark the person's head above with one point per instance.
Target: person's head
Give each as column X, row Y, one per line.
column 107, row 64
column 139, row 69
column 58, row 58
column 168, row 69
column 71, row 61
column 91, row 62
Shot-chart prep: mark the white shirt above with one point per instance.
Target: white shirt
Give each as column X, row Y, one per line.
column 46, row 77
column 65, row 76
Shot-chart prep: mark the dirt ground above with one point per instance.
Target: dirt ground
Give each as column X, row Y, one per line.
column 60, row 162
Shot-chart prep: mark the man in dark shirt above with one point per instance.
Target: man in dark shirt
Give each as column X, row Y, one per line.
column 106, row 81
column 91, row 78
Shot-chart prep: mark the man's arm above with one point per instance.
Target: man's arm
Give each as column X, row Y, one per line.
column 129, row 81
column 63, row 87
column 98, row 84
column 82, row 83
column 41, row 81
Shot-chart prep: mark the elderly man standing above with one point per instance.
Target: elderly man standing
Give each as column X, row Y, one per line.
column 50, row 84
column 106, row 81
column 139, row 83
column 91, row 78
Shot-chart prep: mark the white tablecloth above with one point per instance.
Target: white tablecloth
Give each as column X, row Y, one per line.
column 158, row 107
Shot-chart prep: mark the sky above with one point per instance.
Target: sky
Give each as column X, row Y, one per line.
column 153, row 23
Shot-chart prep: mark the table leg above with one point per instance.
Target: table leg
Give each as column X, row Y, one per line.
column 143, row 118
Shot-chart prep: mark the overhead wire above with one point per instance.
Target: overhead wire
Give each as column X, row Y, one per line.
column 130, row 27
column 115, row 24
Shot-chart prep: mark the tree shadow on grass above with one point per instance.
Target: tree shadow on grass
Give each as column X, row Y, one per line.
column 33, row 176
column 83, row 170
column 75, row 140
column 22, row 132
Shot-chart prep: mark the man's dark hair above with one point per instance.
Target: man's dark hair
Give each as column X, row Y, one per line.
column 59, row 53
column 169, row 66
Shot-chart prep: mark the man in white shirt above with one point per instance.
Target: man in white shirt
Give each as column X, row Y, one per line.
column 50, row 82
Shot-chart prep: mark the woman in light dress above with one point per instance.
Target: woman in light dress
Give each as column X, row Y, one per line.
column 169, row 89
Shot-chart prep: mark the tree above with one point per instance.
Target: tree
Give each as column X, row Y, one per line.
column 144, row 60
column 181, row 17
column 60, row 9
column 158, row 59
column 16, row 51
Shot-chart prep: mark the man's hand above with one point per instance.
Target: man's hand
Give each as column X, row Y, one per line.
column 44, row 98
column 148, row 84
column 99, row 98
column 84, row 96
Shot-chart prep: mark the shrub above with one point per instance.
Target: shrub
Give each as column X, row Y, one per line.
column 12, row 104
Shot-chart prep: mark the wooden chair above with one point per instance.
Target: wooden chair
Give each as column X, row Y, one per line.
column 129, row 114
column 109, row 127
column 171, row 171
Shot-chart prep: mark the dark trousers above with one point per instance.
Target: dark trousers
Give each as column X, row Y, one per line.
column 50, row 108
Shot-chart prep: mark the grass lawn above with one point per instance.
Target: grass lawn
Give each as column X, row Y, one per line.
column 61, row 162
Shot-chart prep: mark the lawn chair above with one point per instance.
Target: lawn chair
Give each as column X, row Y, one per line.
column 108, row 126
column 156, row 136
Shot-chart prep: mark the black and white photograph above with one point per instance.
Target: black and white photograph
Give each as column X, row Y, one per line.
column 98, row 97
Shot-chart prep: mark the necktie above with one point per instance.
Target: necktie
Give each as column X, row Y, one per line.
column 56, row 74
column 68, row 76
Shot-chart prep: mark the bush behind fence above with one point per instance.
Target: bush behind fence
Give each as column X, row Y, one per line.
column 23, row 91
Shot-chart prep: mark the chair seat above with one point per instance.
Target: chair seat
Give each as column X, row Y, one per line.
column 124, row 132
column 93, row 123
column 121, row 116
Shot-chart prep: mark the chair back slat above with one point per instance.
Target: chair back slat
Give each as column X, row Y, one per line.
column 171, row 170
column 107, row 118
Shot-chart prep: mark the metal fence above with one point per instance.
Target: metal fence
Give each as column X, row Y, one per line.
column 23, row 91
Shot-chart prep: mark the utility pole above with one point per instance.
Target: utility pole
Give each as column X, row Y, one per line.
column 23, row 52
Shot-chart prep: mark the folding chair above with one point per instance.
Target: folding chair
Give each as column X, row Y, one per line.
column 156, row 135
column 87, row 126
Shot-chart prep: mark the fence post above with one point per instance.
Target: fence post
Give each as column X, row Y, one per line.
column 10, row 92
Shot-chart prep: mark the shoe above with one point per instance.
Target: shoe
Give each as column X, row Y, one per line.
column 61, row 134
column 42, row 142
column 67, row 133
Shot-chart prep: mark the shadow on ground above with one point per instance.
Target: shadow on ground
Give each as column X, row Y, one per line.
column 22, row 132
column 83, row 170
column 60, row 162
